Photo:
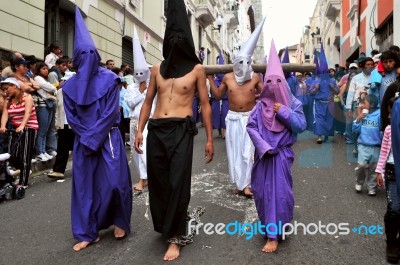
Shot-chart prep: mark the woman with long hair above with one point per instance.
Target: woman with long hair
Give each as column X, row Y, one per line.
column 46, row 142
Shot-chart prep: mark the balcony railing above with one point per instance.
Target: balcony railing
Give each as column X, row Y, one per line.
column 205, row 12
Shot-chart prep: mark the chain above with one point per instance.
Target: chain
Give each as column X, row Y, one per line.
column 188, row 239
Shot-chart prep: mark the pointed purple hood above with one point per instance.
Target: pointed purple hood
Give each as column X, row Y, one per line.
column 276, row 90
column 91, row 81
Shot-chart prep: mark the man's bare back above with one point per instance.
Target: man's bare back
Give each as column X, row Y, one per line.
column 241, row 98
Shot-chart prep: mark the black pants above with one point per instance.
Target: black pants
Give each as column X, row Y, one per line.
column 21, row 146
column 169, row 168
column 65, row 143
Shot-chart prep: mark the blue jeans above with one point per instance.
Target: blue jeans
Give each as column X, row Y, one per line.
column 46, row 136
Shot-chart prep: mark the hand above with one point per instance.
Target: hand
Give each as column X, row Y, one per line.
column 210, row 77
column 19, row 129
column 3, row 130
column 379, row 180
column 277, row 106
column 209, row 152
column 138, row 143
column 361, row 116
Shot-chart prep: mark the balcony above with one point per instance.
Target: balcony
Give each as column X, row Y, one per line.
column 231, row 14
column 333, row 9
column 204, row 12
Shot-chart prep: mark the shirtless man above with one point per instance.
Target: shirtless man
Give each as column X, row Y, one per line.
column 171, row 130
column 242, row 86
column 239, row 147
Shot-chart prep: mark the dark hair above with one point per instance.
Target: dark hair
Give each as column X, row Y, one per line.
column 386, row 55
column 61, row 61
column 31, row 60
column 109, row 61
column 128, row 71
column 39, row 66
column 116, row 70
column 392, row 101
column 53, row 47
column 374, row 52
column 394, row 48
column 364, row 61
column 389, row 93
column 372, row 99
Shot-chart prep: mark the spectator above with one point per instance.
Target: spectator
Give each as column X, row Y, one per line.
column 46, row 142
column 19, row 107
column 19, row 72
column 53, row 55
column 202, row 56
column 110, row 64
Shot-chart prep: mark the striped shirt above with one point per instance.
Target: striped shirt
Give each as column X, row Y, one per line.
column 386, row 155
column 17, row 111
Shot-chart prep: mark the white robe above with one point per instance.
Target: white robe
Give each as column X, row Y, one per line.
column 134, row 100
column 239, row 149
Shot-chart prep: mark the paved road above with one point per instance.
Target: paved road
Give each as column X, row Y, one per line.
column 36, row 229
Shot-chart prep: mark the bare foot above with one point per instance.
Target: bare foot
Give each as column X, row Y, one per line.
column 140, row 185
column 271, row 246
column 247, row 192
column 119, row 233
column 84, row 244
column 172, row 252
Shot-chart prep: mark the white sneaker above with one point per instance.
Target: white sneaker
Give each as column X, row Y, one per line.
column 42, row 157
column 33, row 161
column 49, row 157
column 53, row 153
column 358, row 188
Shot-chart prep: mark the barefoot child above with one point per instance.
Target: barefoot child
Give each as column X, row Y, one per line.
column 273, row 125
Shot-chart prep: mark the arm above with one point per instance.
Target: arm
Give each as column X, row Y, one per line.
column 94, row 137
column 46, row 86
column 205, row 110
column 146, row 108
column 218, row 92
column 72, row 116
column 134, row 95
column 385, row 150
column 293, row 118
column 261, row 146
column 314, row 87
column 27, row 114
column 4, row 117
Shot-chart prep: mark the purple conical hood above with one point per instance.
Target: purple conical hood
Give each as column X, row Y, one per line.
column 316, row 62
column 276, row 90
column 274, row 66
column 220, row 62
column 285, row 58
column 91, row 81
column 323, row 64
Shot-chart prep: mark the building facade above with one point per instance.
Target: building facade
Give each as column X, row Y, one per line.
column 111, row 24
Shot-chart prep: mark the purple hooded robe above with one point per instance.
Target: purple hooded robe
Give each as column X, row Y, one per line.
column 273, row 134
column 101, row 181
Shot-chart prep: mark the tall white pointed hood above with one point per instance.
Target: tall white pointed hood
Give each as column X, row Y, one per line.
column 141, row 71
column 242, row 62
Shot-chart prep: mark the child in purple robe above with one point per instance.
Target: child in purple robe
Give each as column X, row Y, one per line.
column 273, row 125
